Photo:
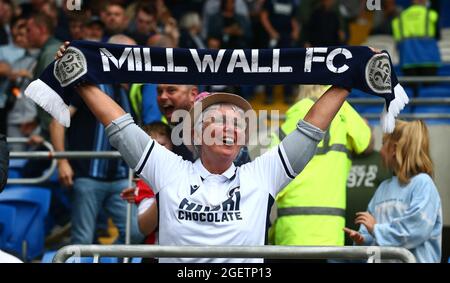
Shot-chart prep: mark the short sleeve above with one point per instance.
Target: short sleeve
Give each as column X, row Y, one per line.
column 159, row 165
column 272, row 169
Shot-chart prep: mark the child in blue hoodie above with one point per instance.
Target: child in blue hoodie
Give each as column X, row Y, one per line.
column 405, row 211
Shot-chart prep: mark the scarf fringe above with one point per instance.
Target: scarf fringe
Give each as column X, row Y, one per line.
column 396, row 105
column 48, row 99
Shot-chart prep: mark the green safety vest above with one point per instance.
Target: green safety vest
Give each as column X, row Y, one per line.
column 415, row 31
column 136, row 100
column 415, row 22
column 311, row 209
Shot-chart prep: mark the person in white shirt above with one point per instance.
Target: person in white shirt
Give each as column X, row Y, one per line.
column 210, row 201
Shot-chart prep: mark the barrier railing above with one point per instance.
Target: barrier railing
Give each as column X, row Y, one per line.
column 424, row 79
column 26, row 155
column 378, row 101
column 372, row 254
column 70, row 155
column 53, row 155
column 412, row 101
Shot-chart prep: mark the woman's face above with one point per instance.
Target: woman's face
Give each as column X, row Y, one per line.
column 387, row 153
column 223, row 134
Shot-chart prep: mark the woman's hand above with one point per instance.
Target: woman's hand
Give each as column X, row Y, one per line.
column 367, row 220
column 355, row 236
column 59, row 54
column 128, row 195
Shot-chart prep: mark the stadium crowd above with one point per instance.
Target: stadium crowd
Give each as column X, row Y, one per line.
column 32, row 32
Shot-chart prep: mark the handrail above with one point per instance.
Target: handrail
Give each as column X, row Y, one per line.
column 412, row 101
column 66, row 154
column 424, row 79
column 373, row 253
column 53, row 155
column 408, row 116
column 282, row 117
column 28, row 181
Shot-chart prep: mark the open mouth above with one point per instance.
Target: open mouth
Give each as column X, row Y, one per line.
column 228, row 141
column 168, row 109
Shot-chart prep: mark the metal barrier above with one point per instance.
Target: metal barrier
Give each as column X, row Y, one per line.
column 378, row 101
column 424, row 79
column 412, row 101
column 372, row 253
column 53, row 155
column 28, row 181
column 70, row 155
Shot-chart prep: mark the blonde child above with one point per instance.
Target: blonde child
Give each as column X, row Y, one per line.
column 405, row 211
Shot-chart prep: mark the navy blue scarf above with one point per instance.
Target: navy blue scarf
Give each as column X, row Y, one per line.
column 100, row 63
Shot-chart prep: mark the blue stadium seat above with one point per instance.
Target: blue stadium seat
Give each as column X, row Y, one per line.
column 398, row 70
column 365, row 108
column 54, row 177
column 435, row 91
column 15, row 168
column 31, row 207
column 424, row 109
column 49, row 255
column 356, row 93
column 91, row 260
column 14, row 173
column 136, row 260
column 17, row 163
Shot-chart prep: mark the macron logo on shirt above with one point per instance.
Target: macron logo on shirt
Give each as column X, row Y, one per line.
column 194, row 188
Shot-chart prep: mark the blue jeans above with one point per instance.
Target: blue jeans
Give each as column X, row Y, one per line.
column 89, row 197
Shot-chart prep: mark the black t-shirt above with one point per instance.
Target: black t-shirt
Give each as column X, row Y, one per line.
column 280, row 14
column 323, row 28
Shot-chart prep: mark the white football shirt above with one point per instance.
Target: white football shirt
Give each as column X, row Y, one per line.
column 200, row 208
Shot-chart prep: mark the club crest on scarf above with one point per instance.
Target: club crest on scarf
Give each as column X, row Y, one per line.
column 378, row 73
column 71, row 67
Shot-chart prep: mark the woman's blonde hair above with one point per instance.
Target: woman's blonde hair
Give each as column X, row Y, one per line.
column 412, row 151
